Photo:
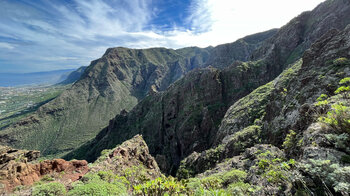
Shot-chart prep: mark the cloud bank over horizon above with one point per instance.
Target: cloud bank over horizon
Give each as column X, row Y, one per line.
column 48, row 35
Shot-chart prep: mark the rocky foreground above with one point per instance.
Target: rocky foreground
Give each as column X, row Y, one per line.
column 22, row 173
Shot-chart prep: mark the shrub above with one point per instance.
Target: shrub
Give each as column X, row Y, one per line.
column 195, row 188
column 276, row 170
column 341, row 61
column 223, row 179
column 341, row 141
column 47, row 178
column 212, row 182
column 322, row 102
column 136, row 174
column 263, row 164
column 332, row 175
column 275, row 176
column 215, row 183
column 184, row 173
column 160, row 186
column 292, row 143
column 232, row 176
column 290, row 140
column 345, row 88
column 100, row 183
column 338, row 117
column 342, row 89
column 343, row 187
column 322, row 97
column 101, row 188
column 242, row 189
column 345, row 81
column 49, row 189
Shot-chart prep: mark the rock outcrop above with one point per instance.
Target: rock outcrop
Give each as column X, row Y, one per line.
column 132, row 155
column 17, row 168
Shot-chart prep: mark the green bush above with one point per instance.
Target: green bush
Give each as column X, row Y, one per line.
column 100, row 183
column 242, row 189
column 212, row 182
column 332, row 175
column 47, row 178
column 292, row 143
column 274, row 169
column 184, row 173
column 341, row 141
column 342, row 89
column 322, row 102
column 345, row 81
column 49, row 189
column 100, row 188
column 322, row 97
column 196, row 188
column 136, row 174
column 233, row 176
column 275, row 176
column 345, row 88
column 338, row 117
column 341, row 61
column 263, row 164
column 160, row 186
column 290, row 140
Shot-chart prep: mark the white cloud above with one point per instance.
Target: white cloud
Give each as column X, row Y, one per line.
column 6, row 45
column 222, row 21
column 55, row 35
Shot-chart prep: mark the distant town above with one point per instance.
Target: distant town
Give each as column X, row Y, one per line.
column 18, row 102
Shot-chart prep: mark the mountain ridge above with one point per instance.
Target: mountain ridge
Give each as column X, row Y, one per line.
column 115, row 82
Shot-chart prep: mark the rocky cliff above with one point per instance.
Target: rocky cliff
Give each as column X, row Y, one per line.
column 304, row 113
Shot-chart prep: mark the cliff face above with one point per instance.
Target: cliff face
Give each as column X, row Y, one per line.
column 186, row 117
column 113, row 83
column 293, row 113
column 290, row 42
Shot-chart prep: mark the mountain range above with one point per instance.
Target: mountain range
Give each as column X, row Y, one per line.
column 273, row 105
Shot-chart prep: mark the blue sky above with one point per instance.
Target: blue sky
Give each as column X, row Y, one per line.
column 42, row 35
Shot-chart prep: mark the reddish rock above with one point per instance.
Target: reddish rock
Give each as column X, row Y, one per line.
column 15, row 169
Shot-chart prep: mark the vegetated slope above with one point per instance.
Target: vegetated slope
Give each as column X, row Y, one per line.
column 305, row 112
column 19, row 102
column 73, row 76
column 109, row 85
column 185, row 118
